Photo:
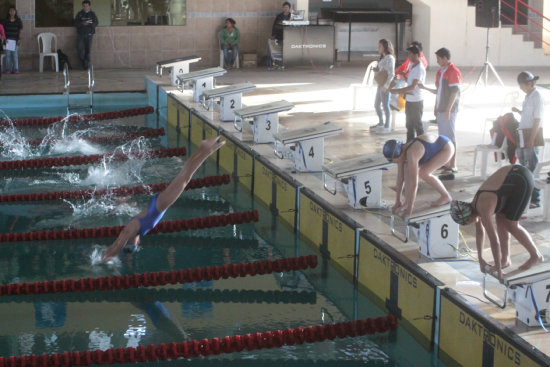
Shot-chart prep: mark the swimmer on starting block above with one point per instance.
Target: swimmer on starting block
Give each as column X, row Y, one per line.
column 419, row 157
column 506, row 194
column 147, row 219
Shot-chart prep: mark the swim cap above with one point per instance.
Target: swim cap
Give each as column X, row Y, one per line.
column 392, row 149
column 461, row 211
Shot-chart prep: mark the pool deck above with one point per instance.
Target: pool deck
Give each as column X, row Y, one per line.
column 321, row 94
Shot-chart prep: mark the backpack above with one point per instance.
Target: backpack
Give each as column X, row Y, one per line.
column 63, row 59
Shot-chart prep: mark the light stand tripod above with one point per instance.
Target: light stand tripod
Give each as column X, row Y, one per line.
column 487, row 65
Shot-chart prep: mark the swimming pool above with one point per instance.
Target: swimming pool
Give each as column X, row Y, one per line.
column 112, row 319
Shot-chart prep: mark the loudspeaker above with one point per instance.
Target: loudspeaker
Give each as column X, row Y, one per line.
column 487, row 13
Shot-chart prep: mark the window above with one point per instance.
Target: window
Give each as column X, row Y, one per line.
column 61, row 13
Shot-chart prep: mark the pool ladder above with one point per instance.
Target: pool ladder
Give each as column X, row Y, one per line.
column 90, row 92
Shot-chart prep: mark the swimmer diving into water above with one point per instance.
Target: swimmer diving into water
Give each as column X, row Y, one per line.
column 147, row 219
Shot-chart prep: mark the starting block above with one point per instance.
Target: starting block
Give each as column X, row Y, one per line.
column 230, row 99
column 203, row 80
column 529, row 292
column 306, row 147
column 177, row 66
column 362, row 179
column 265, row 120
column 436, row 231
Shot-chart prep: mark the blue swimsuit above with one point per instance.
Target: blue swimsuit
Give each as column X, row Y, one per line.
column 431, row 149
column 151, row 219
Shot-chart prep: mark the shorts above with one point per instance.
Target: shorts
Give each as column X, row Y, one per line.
column 446, row 127
column 515, row 192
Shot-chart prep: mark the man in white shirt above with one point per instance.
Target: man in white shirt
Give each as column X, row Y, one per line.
column 413, row 94
column 530, row 127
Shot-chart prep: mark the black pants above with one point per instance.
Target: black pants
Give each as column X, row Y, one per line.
column 83, row 46
column 413, row 114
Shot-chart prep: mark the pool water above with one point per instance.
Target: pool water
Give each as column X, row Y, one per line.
column 111, row 319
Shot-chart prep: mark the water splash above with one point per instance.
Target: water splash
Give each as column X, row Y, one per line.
column 110, row 173
column 14, row 145
column 96, row 259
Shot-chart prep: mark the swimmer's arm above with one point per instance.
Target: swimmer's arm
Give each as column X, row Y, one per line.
column 480, row 243
column 400, row 180
column 413, row 156
column 487, row 222
column 128, row 233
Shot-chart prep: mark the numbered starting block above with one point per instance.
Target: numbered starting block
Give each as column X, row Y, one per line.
column 436, row 231
column 203, row 80
column 176, row 67
column 531, row 289
column 261, row 120
column 362, row 179
column 530, row 294
column 230, row 99
column 306, row 147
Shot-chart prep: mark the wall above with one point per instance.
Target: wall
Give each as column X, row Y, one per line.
column 434, row 20
column 143, row 46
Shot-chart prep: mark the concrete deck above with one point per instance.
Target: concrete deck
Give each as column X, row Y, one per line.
column 321, row 95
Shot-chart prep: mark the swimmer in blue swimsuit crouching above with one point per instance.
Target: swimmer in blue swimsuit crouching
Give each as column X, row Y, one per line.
column 419, row 157
column 147, row 219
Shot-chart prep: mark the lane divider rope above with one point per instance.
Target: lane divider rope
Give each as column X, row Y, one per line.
column 149, row 133
column 167, row 226
column 89, row 159
column 195, row 183
column 206, row 347
column 161, row 278
column 44, row 121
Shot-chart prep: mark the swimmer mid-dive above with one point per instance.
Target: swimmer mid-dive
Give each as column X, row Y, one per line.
column 147, row 219
column 419, row 157
column 505, row 194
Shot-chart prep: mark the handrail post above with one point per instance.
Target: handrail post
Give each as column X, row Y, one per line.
column 67, row 78
column 91, row 84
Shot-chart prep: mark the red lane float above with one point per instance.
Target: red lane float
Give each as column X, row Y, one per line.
column 149, row 133
column 167, row 226
column 89, row 159
column 160, row 278
column 206, row 347
column 195, row 183
column 78, row 118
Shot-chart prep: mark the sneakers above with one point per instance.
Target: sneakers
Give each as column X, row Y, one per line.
column 383, row 131
column 447, row 170
column 7, row 72
column 375, row 127
column 447, row 176
column 534, row 206
column 15, row 71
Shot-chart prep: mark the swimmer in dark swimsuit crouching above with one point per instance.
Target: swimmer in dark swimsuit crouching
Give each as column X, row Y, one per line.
column 505, row 194
column 148, row 218
column 418, row 158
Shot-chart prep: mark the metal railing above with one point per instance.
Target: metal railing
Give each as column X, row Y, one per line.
column 67, row 91
column 517, row 7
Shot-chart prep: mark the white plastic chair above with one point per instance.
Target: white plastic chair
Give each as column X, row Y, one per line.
column 237, row 64
column 366, row 84
column 485, row 149
column 48, row 47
